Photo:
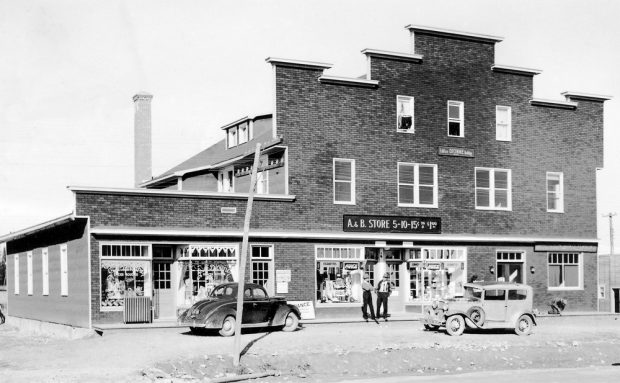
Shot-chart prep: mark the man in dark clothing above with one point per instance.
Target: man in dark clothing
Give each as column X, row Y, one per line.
column 367, row 299
column 384, row 289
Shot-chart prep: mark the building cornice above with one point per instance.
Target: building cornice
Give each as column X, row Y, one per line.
column 349, row 81
column 454, row 34
column 176, row 232
column 515, row 70
column 297, row 63
column 39, row 227
column 179, row 193
column 410, row 57
column 553, row 103
column 585, row 96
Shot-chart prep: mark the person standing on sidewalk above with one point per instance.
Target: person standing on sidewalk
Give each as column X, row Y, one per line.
column 384, row 289
column 367, row 299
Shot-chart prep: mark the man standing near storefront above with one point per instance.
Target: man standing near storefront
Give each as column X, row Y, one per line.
column 384, row 289
column 367, row 299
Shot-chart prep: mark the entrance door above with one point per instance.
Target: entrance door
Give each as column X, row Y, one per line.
column 262, row 267
column 510, row 272
column 616, row 300
column 163, row 298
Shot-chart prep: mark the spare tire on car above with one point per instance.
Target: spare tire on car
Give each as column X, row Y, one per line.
column 477, row 315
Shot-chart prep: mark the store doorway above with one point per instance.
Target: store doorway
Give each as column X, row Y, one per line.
column 262, row 267
column 163, row 295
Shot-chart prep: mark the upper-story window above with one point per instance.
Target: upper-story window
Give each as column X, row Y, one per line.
column 232, row 137
column 493, row 189
column 404, row 120
column 225, row 181
column 344, row 181
column 555, row 192
column 503, row 123
column 417, row 185
column 243, row 133
column 456, row 119
column 262, row 182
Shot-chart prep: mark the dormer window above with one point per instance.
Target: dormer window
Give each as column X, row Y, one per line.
column 232, row 137
column 243, row 133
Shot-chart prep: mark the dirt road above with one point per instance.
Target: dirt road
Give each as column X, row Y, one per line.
column 328, row 352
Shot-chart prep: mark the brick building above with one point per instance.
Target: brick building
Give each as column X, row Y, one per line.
column 437, row 166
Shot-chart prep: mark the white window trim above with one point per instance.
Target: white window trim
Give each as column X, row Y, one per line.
column 30, row 272
column 45, row 274
column 230, row 144
column 492, row 189
column 559, row 288
column 411, row 99
column 224, row 178
column 263, row 177
column 247, row 133
column 272, row 281
column 460, row 120
column 64, row 271
column 509, row 123
column 16, row 274
column 352, row 196
column 416, row 185
column 137, row 243
column 560, row 208
column 522, row 260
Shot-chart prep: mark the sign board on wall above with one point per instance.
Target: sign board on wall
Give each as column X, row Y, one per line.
column 283, row 275
column 455, row 152
column 281, row 287
column 391, row 224
column 306, row 308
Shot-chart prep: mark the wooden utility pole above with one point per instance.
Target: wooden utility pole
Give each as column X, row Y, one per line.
column 243, row 257
column 608, row 294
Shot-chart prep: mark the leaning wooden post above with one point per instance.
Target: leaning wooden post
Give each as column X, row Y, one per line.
column 242, row 259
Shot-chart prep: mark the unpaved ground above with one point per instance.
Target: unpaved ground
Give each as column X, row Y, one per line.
column 316, row 353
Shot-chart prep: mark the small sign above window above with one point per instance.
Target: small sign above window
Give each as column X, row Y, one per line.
column 455, row 152
column 228, row 210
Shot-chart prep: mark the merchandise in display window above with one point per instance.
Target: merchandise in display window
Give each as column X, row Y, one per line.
column 436, row 273
column 339, row 274
column 123, row 279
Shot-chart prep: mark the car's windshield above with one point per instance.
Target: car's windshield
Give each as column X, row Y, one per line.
column 223, row 291
column 472, row 292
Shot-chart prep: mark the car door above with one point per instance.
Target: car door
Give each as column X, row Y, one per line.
column 262, row 305
column 254, row 306
column 516, row 304
column 495, row 304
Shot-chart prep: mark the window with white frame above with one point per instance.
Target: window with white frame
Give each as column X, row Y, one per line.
column 125, row 273
column 262, row 182
column 45, row 275
column 456, row 119
column 225, row 181
column 404, row 119
column 243, row 133
column 417, row 185
column 555, row 192
column 493, row 189
column 564, row 270
column 232, row 137
column 16, row 274
column 64, row 271
column 510, row 266
column 344, row 181
column 262, row 267
column 339, row 273
column 30, row 276
column 503, row 123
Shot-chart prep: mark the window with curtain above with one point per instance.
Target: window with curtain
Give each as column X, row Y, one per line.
column 564, row 270
column 417, row 185
column 456, row 119
column 344, row 181
column 404, row 108
column 503, row 122
column 493, row 189
column 555, row 192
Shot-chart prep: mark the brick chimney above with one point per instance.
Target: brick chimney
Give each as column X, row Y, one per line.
column 142, row 137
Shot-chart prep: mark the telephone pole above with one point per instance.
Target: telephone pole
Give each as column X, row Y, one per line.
column 611, row 252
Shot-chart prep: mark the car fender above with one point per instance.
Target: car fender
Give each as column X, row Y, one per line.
column 468, row 321
column 518, row 315
column 216, row 318
column 280, row 317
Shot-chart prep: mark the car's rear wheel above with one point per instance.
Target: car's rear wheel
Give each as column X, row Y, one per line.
column 455, row 325
column 291, row 322
column 228, row 326
column 524, row 325
column 476, row 314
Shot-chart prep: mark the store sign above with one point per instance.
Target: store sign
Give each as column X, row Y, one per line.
column 306, row 308
column 351, row 266
column 433, row 266
column 455, row 152
column 391, row 224
column 228, row 210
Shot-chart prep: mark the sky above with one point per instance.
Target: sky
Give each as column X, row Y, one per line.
column 69, row 69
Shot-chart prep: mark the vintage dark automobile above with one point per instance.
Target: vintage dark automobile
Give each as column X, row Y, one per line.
column 1, row 315
column 484, row 306
column 219, row 311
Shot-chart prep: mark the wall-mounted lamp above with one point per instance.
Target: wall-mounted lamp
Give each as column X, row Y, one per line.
column 532, row 269
column 492, row 269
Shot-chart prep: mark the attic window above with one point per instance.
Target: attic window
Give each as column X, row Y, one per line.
column 232, row 137
column 243, row 133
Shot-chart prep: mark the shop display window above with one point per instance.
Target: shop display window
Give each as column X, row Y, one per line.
column 123, row 279
column 339, row 274
column 200, row 277
column 436, row 273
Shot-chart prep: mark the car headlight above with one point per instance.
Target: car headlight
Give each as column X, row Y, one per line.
column 195, row 312
column 445, row 307
column 434, row 305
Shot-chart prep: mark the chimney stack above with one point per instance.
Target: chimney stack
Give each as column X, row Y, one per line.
column 142, row 137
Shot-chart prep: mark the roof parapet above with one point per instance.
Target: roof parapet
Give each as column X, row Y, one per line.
column 244, row 119
column 411, row 57
column 585, row 96
column 553, row 103
column 297, row 63
column 515, row 70
column 359, row 82
column 454, row 34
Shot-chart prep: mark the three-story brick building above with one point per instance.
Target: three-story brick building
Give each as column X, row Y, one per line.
column 438, row 166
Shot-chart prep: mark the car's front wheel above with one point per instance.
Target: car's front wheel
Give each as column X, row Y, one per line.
column 291, row 322
column 524, row 325
column 228, row 326
column 455, row 325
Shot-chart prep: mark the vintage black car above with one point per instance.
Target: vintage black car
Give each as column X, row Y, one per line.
column 219, row 311
column 1, row 315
